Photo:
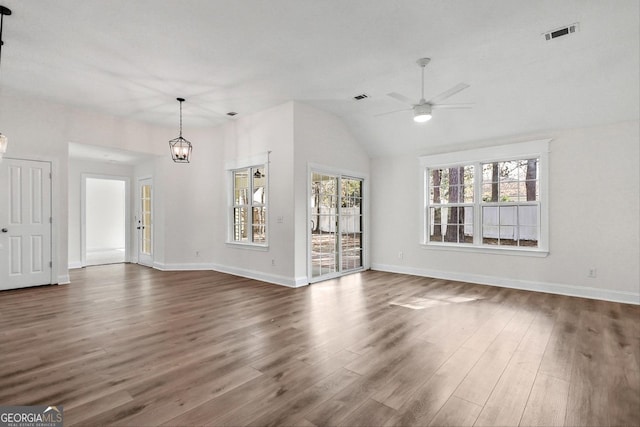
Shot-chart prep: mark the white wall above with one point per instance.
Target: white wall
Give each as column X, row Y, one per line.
column 593, row 171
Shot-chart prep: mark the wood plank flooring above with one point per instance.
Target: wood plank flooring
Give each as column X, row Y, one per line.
column 127, row 345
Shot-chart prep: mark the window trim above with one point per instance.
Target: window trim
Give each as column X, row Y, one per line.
column 257, row 161
column 521, row 150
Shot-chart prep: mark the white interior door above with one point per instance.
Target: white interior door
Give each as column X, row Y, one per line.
column 144, row 222
column 25, row 223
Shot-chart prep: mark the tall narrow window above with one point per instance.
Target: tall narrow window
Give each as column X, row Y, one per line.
column 510, row 203
column 450, row 210
column 249, row 207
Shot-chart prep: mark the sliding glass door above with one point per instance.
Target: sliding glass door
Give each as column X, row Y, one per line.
column 336, row 231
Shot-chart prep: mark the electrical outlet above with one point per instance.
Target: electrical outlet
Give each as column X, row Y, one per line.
column 400, row 255
column 593, row 273
column 273, row 262
column 197, row 253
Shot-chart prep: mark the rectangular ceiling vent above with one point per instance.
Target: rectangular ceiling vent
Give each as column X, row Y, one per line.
column 361, row 97
column 562, row 31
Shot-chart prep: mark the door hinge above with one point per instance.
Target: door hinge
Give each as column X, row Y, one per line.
column 50, row 264
column 49, row 175
column 50, row 220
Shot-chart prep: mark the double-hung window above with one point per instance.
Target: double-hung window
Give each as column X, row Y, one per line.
column 451, row 206
column 494, row 198
column 249, row 205
column 511, row 203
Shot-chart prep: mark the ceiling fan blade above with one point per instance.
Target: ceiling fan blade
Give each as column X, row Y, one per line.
column 444, row 95
column 401, row 98
column 392, row 112
column 452, row 106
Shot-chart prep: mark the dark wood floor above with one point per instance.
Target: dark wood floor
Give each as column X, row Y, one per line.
column 128, row 345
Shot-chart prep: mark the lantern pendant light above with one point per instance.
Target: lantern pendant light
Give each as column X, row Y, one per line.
column 180, row 147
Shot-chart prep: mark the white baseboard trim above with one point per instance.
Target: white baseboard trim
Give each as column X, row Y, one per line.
column 250, row 274
column 181, row 267
column 552, row 288
column 64, row 279
column 259, row 275
column 301, row 281
column 75, row 264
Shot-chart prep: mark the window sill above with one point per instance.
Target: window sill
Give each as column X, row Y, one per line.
column 511, row 251
column 249, row 246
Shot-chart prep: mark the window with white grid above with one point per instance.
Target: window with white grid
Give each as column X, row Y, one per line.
column 249, row 205
column 493, row 198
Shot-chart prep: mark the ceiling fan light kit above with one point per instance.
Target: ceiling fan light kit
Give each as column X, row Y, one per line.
column 422, row 109
column 422, row 113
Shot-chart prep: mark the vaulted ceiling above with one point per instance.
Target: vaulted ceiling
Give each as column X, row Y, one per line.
column 134, row 57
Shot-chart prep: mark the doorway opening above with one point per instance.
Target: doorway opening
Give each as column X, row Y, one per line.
column 336, row 230
column 105, row 220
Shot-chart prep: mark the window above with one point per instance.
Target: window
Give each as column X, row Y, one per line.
column 451, row 204
column 510, row 203
column 249, row 205
column 491, row 198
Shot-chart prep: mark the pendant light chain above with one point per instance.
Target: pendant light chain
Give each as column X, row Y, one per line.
column 1, row 25
column 3, row 11
column 180, row 119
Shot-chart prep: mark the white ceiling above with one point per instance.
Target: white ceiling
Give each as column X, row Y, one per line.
column 134, row 57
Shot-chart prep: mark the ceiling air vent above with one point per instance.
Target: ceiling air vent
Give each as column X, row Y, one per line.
column 231, row 113
column 562, row 31
column 361, row 97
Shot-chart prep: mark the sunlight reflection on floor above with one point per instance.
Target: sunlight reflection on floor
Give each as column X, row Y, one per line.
column 416, row 303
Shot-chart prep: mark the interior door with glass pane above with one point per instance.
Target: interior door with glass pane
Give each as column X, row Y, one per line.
column 145, row 222
column 335, row 212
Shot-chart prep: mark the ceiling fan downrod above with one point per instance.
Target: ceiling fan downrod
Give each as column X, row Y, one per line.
column 422, row 62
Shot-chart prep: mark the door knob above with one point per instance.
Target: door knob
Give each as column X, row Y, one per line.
column 4, row 230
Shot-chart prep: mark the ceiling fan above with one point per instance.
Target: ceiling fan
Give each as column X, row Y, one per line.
column 422, row 110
